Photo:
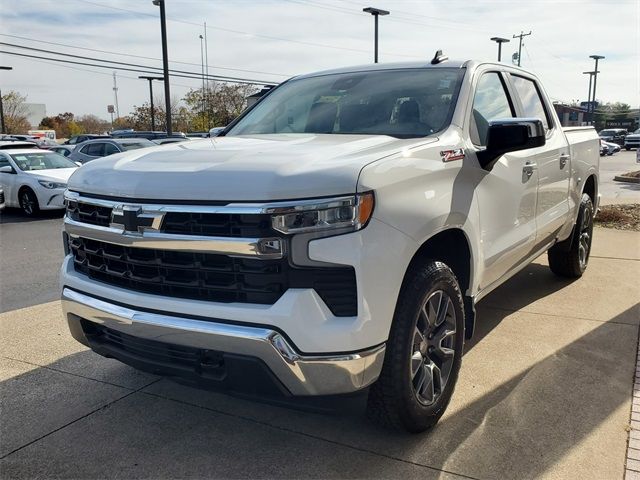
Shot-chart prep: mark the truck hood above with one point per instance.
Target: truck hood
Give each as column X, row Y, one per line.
column 242, row 168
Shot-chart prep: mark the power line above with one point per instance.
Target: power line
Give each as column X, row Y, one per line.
column 137, row 56
column 117, row 67
column 126, row 64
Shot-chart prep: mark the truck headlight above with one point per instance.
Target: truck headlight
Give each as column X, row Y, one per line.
column 352, row 212
column 51, row 185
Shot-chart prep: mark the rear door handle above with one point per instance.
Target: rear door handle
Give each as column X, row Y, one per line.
column 563, row 160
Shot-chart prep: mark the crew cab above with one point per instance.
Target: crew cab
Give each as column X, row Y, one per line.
column 337, row 236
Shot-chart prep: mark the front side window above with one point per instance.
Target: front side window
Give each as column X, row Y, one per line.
column 489, row 103
column 94, row 149
column 530, row 99
column 141, row 143
column 399, row 103
column 29, row 162
column 110, row 149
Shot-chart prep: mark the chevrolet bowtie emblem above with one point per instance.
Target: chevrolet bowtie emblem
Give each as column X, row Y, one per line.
column 133, row 219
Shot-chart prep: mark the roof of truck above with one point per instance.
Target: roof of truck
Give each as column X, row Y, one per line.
column 409, row 65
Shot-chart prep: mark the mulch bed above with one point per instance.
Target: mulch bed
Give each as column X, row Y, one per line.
column 621, row 217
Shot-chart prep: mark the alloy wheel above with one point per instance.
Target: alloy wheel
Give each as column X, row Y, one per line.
column 584, row 240
column 433, row 347
column 28, row 203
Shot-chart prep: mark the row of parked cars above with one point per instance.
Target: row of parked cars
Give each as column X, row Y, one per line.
column 34, row 172
column 613, row 139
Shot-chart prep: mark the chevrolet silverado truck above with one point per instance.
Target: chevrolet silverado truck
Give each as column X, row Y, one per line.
column 334, row 240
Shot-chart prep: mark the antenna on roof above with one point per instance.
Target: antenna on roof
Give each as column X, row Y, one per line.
column 439, row 58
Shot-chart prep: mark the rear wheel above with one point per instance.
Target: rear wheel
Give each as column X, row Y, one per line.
column 570, row 257
column 424, row 351
column 28, row 202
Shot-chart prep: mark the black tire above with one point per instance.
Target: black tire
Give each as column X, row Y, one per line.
column 28, row 202
column 627, row 148
column 396, row 399
column 570, row 257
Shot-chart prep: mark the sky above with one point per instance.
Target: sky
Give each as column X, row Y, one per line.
column 271, row 40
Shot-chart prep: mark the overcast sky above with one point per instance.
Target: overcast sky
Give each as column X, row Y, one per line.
column 270, row 40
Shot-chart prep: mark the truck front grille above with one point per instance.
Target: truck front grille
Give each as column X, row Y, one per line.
column 211, row 277
column 185, row 223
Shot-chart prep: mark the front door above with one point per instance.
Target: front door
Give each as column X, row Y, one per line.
column 507, row 194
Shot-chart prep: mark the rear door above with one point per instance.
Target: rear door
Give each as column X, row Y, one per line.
column 552, row 160
column 8, row 181
column 507, row 194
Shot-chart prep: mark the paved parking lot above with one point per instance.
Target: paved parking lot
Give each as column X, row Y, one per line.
column 545, row 391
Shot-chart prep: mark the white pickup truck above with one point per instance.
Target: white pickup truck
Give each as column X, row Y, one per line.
column 336, row 237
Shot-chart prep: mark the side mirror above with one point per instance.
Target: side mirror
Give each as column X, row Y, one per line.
column 7, row 169
column 510, row 135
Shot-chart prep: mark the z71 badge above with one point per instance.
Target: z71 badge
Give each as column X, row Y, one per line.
column 451, row 155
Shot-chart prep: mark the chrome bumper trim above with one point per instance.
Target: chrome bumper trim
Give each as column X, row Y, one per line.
column 301, row 374
column 264, row 248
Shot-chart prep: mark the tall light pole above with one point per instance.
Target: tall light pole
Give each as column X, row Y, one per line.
column 500, row 41
column 153, row 114
column 595, row 82
column 376, row 12
column 521, row 36
column 204, row 104
column 591, row 74
column 4, row 130
column 165, row 64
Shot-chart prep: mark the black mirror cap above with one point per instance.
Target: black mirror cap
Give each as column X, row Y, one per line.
column 510, row 135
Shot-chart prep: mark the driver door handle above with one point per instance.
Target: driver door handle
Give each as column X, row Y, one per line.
column 529, row 168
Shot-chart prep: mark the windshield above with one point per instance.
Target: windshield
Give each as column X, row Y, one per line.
column 400, row 103
column 29, row 162
column 142, row 143
column 609, row 132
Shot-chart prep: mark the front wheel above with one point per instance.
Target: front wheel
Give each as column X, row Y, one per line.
column 28, row 202
column 424, row 351
column 570, row 257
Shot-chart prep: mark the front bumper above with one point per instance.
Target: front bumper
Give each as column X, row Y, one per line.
column 301, row 375
column 51, row 199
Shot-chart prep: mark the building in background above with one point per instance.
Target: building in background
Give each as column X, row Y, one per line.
column 571, row 116
column 35, row 113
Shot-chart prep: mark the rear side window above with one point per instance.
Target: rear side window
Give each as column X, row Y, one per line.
column 490, row 102
column 94, row 149
column 530, row 98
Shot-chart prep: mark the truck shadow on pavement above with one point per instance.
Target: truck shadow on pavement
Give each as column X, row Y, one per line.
column 536, row 394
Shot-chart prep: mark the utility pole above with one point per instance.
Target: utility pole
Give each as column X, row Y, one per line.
column 204, row 102
column 376, row 12
column 153, row 115
column 206, row 66
column 500, row 41
column 595, row 81
column 521, row 36
column 165, row 64
column 115, row 94
column 2, row 125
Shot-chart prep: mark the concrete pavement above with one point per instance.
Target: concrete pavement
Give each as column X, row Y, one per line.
column 544, row 392
column 618, row 192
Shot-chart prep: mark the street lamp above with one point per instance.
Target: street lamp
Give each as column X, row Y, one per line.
column 376, row 12
column 153, row 116
column 500, row 41
column 165, row 63
column 595, row 81
column 591, row 74
column 2, row 127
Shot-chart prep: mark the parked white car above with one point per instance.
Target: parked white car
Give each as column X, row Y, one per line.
column 336, row 238
column 34, row 179
column 2, row 202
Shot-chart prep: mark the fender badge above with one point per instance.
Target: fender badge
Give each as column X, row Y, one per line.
column 451, row 155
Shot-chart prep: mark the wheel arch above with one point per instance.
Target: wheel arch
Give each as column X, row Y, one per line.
column 452, row 247
column 590, row 187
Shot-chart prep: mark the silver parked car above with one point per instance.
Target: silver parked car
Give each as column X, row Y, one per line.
column 103, row 147
column 64, row 150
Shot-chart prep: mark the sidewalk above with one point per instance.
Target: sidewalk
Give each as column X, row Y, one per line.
column 545, row 391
